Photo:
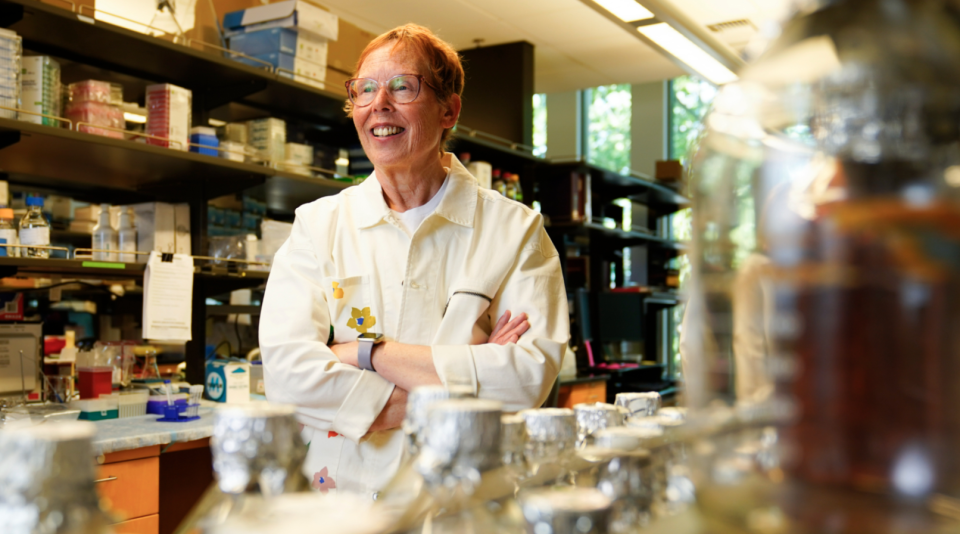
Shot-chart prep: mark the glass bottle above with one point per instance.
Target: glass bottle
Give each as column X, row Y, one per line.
column 35, row 229
column 8, row 233
column 47, row 475
column 509, row 186
column 517, row 190
column 825, row 269
column 105, row 240
column 127, row 237
column 498, row 184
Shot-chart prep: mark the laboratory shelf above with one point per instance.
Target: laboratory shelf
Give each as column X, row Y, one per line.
column 123, row 170
column 637, row 187
column 623, row 238
column 52, row 28
column 498, row 154
column 285, row 191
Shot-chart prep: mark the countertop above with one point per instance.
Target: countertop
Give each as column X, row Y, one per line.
column 135, row 432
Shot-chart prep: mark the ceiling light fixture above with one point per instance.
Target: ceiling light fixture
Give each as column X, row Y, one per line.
column 684, row 41
column 682, row 48
column 626, row 10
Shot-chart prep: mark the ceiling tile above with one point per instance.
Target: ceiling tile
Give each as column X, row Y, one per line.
column 512, row 9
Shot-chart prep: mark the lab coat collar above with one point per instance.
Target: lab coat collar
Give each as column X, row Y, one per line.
column 458, row 205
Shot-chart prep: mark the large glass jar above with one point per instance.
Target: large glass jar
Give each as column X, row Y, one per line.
column 826, row 295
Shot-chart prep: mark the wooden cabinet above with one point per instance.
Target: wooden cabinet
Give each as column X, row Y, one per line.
column 142, row 525
column 129, row 484
column 580, row 392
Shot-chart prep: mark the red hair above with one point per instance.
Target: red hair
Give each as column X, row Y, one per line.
column 444, row 72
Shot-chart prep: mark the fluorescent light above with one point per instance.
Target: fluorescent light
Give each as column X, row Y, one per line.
column 342, row 162
column 626, row 10
column 216, row 123
column 133, row 117
column 676, row 44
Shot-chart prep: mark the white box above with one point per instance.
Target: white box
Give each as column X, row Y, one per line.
column 39, row 85
column 312, row 48
column 483, row 172
column 156, row 228
column 181, row 217
column 269, row 137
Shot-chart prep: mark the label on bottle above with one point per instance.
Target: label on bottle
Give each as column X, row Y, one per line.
column 35, row 236
column 101, row 244
column 128, row 245
column 9, row 236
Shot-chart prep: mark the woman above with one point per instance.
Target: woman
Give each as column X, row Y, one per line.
column 418, row 254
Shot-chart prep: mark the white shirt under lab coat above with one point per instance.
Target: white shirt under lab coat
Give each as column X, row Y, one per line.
column 349, row 267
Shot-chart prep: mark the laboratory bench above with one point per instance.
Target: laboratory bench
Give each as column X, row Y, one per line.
column 150, row 474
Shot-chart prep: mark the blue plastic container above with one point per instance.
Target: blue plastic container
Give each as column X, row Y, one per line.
column 274, row 40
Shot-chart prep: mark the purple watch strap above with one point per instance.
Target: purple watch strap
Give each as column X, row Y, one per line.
column 365, row 354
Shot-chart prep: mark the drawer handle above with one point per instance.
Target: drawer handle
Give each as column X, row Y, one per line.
column 108, row 479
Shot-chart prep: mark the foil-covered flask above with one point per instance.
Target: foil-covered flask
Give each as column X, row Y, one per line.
column 639, row 404
column 551, row 439
column 47, row 481
column 592, row 417
column 463, row 442
column 513, row 447
column 257, row 448
column 419, row 401
column 571, row 510
column 626, row 477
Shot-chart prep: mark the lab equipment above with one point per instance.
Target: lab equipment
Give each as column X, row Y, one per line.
column 106, row 242
column 127, row 237
column 35, row 229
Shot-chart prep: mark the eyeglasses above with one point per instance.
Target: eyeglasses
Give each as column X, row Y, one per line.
column 401, row 89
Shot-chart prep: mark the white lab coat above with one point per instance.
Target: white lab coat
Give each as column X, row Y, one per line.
column 349, row 266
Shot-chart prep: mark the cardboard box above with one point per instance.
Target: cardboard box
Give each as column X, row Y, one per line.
column 343, row 53
column 181, row 218
column 298, row 14
column 669, row 171
column 156, row 228
column 227, row 381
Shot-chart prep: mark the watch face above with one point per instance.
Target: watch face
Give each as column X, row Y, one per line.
column 371, row 337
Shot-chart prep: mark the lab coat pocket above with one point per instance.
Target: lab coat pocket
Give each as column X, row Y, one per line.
column 465, row 319
column 351, row 306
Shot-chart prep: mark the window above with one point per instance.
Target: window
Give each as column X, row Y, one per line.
column 689, row 101
column 608, row 127
column 540, row 125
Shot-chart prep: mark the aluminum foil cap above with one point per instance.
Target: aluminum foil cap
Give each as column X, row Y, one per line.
column 418, row 406
column 620, row 438
column 551, row 425
column 462, row 441
column 47, row 480
column 513, row 436
column 592, row 417
column 674, row 413
column 639, row 404
column 570, row 510
column 257, row 448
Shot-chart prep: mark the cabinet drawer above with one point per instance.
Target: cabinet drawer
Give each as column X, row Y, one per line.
column 141, row 525
column 584, row 392
column 130, row 489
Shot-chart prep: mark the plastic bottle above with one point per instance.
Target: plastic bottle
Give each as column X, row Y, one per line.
column 8, row 233
column 510, row 186
column 498, row 183
column 35, row 229
column 518, row 191
column 105, row 237
column 69, row 351
column 128, row 238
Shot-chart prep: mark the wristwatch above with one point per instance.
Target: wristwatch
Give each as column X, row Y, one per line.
column 365, row 350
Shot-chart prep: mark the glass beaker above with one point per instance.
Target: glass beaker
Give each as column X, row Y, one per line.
column 826, row 268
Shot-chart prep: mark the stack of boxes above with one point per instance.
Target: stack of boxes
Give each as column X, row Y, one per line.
column 92, row 102
column 269, row 137
column 290, row 36
column 168, row 115
column 299, row 158
column 10, row 51
column 40, row 90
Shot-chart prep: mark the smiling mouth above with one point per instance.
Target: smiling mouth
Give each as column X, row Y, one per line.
column 386, row 131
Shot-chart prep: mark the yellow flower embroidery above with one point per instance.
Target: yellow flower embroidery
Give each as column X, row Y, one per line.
column 337, row 291
column 361, row 321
